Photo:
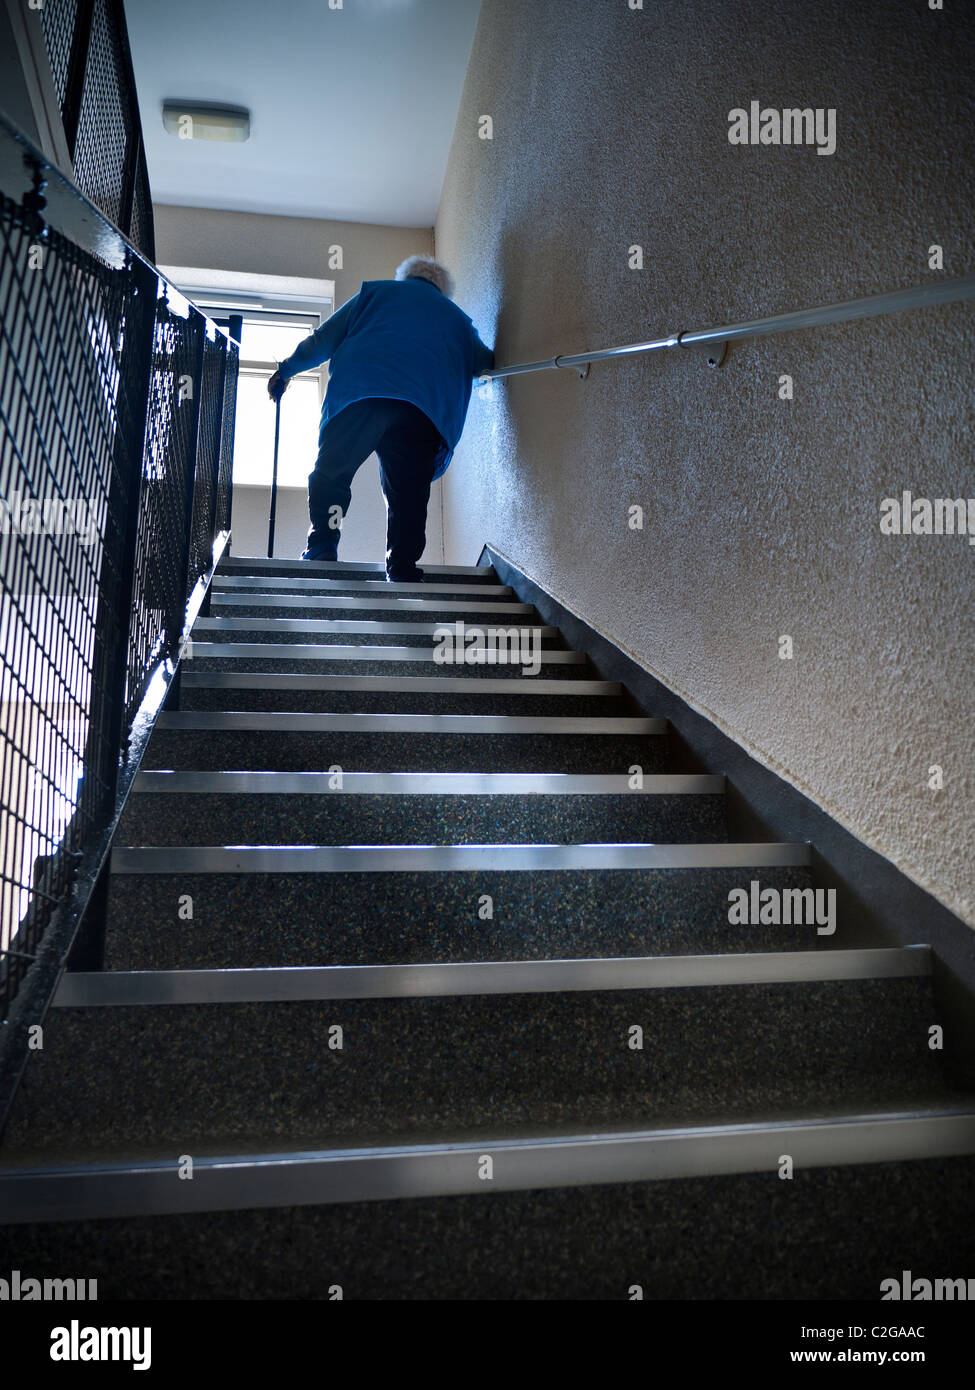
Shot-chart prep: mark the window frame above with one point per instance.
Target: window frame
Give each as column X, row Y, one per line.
column 283, row 314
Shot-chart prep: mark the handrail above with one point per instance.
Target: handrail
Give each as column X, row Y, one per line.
column 891, row 302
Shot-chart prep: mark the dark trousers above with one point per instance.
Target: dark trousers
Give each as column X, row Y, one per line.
column 409, row 447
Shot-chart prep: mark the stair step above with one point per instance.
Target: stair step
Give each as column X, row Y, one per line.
column 297, row 742
column 425, row 808
column 404, row 1171
column 251, row 690
column 363, row 659
column 488, row 912
column 339, row 569
column 296, row 584
column 563, row 1217
column 527, row 638
column 395, row 608
column 363, row 910
column 439, row 1067
column 113, row 987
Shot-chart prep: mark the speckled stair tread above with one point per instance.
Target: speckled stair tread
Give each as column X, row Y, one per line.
column 332, row 818
column 283, row 751
column 407, row 918
column 403, row 701
column 831, row 1233
column 420, row 1064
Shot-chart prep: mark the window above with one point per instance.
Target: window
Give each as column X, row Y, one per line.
column 277, row 312
column 265, row 341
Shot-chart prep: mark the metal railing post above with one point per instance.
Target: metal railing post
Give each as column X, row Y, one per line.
column 74, row 88
column 214, row 491
column 130, row 170
column 235, row 327
column 176, row 621
column 132, row 444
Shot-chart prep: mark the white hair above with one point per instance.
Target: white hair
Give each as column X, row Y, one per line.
column 427, row 268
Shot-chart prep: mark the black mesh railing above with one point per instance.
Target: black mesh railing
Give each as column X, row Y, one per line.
column 104, row 137
column 160, row 564
column 91, row 67
column 58, row 21
column 210, row 425
column 60, row 388
column 116, row 413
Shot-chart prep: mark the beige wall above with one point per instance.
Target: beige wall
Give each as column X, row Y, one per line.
column 761, row 515
column 267, row 245
column 300, row 246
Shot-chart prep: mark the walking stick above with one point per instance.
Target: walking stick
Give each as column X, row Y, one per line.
column 274, row 479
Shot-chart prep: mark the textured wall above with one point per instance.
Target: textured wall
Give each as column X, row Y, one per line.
column 761, row 515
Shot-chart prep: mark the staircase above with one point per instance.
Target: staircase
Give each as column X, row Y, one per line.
column 416, row 988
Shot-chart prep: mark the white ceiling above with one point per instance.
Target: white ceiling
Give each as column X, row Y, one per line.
column 352, row 109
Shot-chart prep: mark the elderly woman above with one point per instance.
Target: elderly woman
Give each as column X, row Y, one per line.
column 403, row 358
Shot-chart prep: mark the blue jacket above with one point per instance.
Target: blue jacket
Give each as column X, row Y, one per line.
column 401, row 339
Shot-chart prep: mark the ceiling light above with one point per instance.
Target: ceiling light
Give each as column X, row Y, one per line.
column 200, row 120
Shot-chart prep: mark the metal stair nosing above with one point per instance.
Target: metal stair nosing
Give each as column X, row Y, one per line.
column 99, row 989
column 346, row 603
column 347, row 626
column 317, row 859
column 425, row 685
column 89, row 1191
column 224, row 584
column 258, row 565
column 457, row 784
column 337, row 651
